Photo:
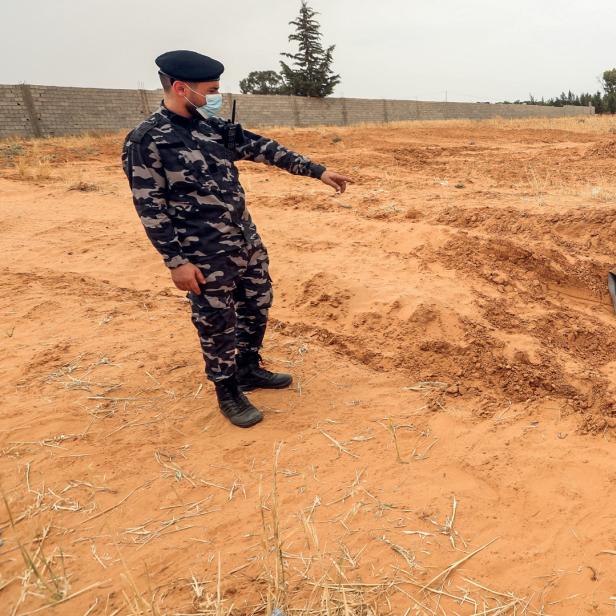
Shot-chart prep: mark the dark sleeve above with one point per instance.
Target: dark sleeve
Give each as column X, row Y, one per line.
column 144, row 170
column 263, row 150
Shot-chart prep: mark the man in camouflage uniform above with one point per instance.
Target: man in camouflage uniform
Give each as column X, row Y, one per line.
column 180, row 164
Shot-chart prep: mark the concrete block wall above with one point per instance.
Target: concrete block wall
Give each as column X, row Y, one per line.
column 14, row 118
column 77, row 110
column 43, row 111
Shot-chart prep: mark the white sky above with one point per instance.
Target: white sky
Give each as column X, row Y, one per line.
column 485, row 50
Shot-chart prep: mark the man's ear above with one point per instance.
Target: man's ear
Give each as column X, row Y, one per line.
column 179, row 88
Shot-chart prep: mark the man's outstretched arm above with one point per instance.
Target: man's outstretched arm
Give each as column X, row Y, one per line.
column 263, row 150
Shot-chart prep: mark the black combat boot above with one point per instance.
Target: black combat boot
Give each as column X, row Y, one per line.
column 250, row 374
column 235, row 406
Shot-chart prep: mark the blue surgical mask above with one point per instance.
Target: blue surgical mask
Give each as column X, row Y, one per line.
column 212, row 107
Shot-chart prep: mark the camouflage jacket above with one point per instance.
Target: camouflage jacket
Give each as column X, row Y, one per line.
column 186, row 187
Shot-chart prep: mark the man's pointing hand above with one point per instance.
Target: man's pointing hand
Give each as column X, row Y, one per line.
column 335, row 180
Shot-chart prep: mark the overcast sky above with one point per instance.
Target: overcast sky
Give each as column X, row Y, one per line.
column 475, row 50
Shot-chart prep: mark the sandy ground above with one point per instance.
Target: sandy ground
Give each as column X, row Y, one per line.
column 448, row 447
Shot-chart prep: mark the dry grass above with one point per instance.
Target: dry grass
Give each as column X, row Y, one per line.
column 291, row 569
column 85, row 146
column 601, row 124
column 33, row 167
column 318, row 581
column 38, row 160
column 45, row 576
column 92, row 145
column 49, row 159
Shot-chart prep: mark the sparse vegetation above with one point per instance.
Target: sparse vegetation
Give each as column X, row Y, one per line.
column 603, row 102
column 83, row 186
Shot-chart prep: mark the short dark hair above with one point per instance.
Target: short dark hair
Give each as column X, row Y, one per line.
column 166, row 80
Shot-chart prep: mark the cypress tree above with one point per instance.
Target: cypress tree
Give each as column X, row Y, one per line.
column 311, row 73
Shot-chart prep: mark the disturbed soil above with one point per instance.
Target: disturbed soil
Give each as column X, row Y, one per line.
column 448, row 446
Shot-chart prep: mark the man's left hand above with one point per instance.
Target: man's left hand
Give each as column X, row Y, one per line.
column 335, row 180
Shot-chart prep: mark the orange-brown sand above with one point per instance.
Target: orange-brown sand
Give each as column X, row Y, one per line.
column 448, row 446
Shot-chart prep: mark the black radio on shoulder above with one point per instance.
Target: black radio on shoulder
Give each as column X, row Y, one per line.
column 234, row 135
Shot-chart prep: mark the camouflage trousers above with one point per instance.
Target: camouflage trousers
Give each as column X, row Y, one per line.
column 231, row 311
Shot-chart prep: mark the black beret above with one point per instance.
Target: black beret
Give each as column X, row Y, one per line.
column 189, row 66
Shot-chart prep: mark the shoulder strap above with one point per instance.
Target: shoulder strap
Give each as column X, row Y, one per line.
column 140, row 132
column 136, row 136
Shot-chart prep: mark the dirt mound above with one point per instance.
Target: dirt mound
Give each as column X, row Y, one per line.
column 604, row 149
